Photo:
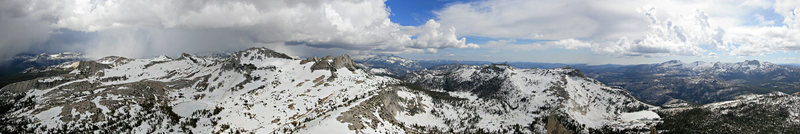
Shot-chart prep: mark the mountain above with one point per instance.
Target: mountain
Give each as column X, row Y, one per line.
column 661, row 84
column 397, row 66
column 257, row 90
column 262, row 91
column 699, row 82
column 10, row 69
column 774, row 112
column 389, row 65
column 501, row 95
column 21, row 62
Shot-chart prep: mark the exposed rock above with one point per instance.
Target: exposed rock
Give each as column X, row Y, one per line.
column 331, row 63
column 555, row 127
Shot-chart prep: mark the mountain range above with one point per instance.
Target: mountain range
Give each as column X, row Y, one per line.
column 262, row 91
column 671, row 81
column 699, row 82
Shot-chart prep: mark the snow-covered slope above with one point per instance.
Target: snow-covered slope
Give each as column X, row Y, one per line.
column 499, row 98
column 257, row 90
column 262, row 91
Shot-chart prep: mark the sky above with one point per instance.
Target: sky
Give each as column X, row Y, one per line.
column 563, row 31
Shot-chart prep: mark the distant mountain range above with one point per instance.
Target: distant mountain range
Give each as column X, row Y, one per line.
column 397, row 66
column 21, row 62
column 699, row 82
column 695, row 82
column 17, row 68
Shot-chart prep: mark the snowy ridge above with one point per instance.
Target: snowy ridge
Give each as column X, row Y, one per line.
column 499, row 98
column 262, row 91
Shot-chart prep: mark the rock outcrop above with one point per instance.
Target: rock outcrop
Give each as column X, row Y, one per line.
column 331, row 63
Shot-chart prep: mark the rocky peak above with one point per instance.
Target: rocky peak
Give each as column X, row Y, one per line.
column 113, row 60
column 752, row 62
column 573, row 72
column 250, row 58
column 260, row 52
column 670, row 63
column 331, row 63
column 496, row 68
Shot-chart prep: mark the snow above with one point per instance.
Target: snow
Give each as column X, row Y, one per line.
column 640, row 115
column 96, row 102
column 161, row 58
column 185, row 109
column 378, row 70
column 50, row 117
column 51, row 79
column 466, row 95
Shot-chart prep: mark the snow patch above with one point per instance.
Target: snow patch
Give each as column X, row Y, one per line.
column 185, row 109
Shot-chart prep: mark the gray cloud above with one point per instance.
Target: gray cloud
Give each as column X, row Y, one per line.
column 140, row 28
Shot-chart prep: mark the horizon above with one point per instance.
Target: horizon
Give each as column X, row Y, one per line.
column 566, row 32
column 391, row 55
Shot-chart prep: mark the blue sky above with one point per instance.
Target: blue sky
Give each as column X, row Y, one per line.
column 557, row 31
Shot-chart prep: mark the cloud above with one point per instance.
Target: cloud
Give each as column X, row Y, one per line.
column 636, row 27
column 21, row 27
column 150, row 27
column 769, row 39
column 545, row 20
column 514, row 45
column 684, row 35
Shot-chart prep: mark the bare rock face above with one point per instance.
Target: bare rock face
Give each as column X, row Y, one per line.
column 331, row 63
column 244, row 60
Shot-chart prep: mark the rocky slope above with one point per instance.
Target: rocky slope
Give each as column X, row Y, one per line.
column 766, row 113
column 262, row 91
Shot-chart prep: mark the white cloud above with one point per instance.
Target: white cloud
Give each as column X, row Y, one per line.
column 151, row 27
column 769, row 39
column 637, row 27
column 681, row 36
column 570, row 43
column 514, row 45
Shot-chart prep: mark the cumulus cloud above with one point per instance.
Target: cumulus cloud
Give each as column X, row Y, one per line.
column 682, row 36
column 149, row 27
column 770, row 39
column 636, row 27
